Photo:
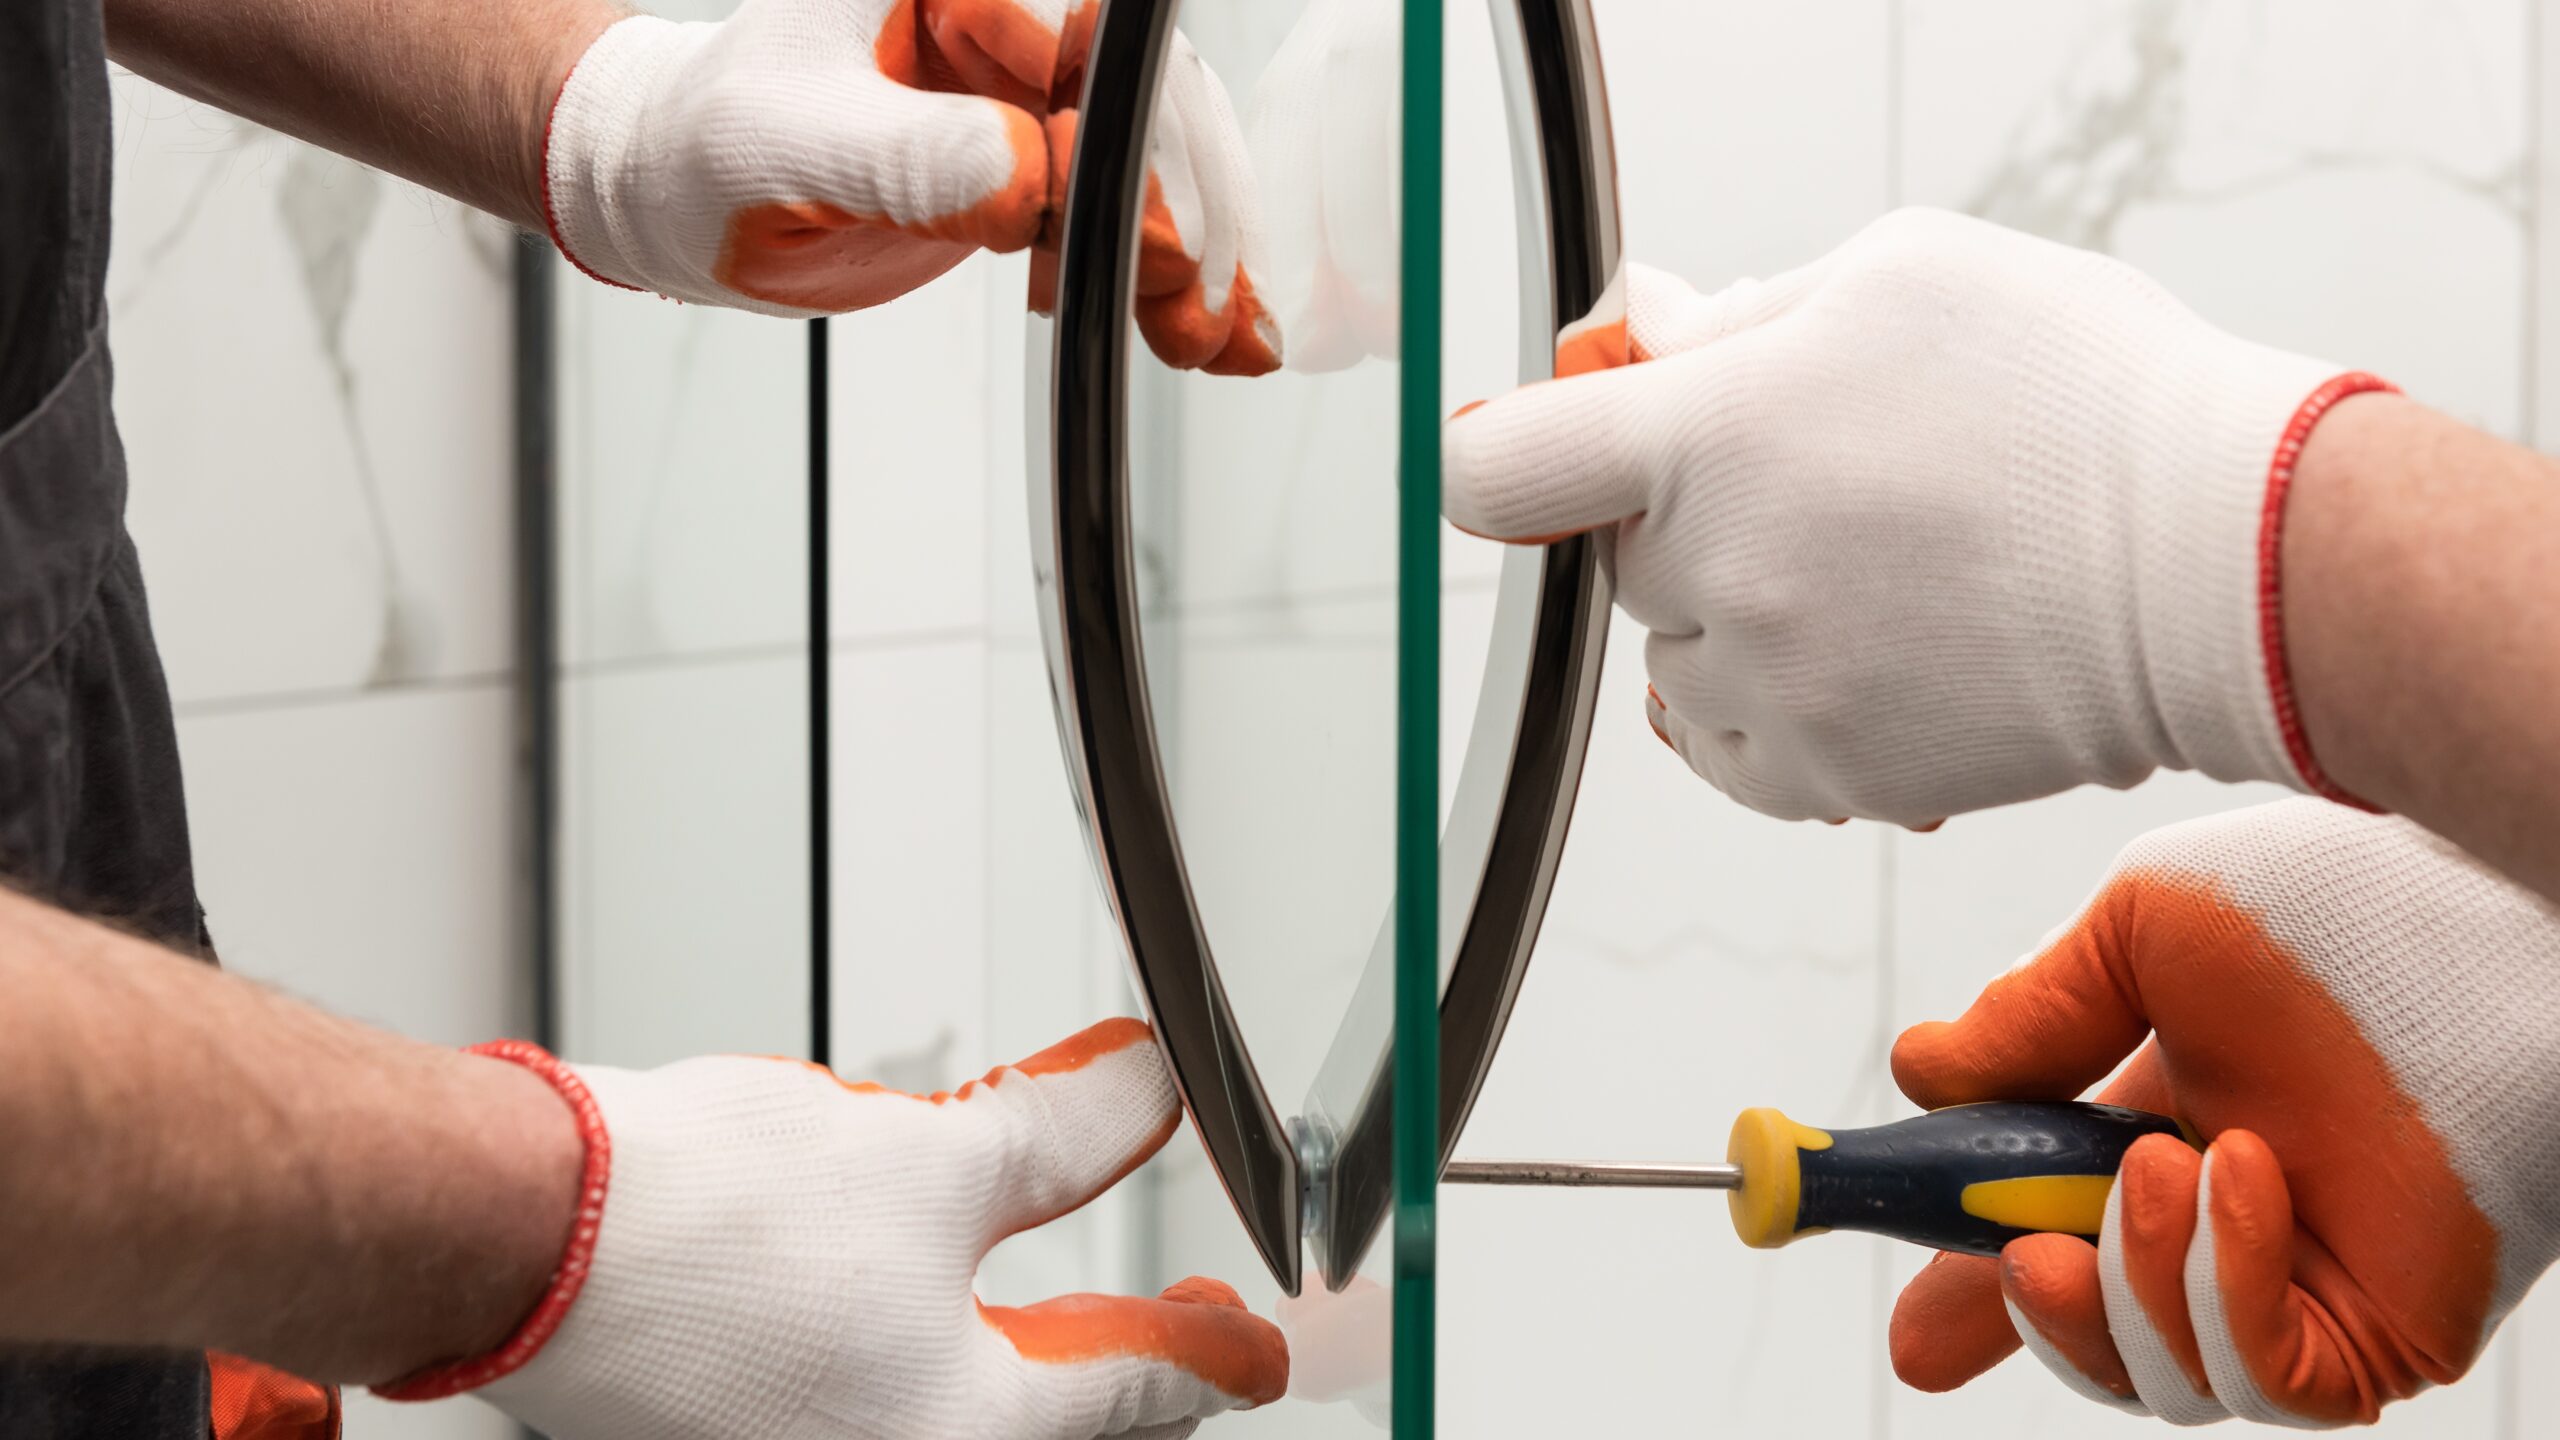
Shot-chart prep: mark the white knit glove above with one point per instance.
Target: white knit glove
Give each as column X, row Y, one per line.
column 1950, row 518
column 804, row 157
column 772, row 1252
column 2365, row 1024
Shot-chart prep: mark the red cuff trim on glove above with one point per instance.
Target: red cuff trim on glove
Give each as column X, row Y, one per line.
column 570, row 1276
column 2297, row 433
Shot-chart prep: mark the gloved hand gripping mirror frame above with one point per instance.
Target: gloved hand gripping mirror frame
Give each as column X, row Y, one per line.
column 1517, row 783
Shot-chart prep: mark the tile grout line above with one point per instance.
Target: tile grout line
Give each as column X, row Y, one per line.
column 262, row 702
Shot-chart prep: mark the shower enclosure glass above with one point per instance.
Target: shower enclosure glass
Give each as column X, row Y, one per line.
column 1144, row 690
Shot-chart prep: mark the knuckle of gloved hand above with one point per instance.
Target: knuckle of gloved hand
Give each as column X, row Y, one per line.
column 1925, row 235
column 1743, row 767
column 1759, row 608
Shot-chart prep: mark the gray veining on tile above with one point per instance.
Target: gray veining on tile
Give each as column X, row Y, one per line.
column 628, row 612
column 128, row 296
column 328, row 207
column 2109, row 148
column 2117, row 124
column 919, row 1069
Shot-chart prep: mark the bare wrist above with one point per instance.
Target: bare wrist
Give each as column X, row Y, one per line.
column 2329, row 511
column 537, row 89
column 539, row 1159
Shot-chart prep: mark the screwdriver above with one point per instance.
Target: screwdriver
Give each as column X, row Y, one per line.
column 1968, row 1178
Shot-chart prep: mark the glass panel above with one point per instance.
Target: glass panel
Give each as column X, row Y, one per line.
column 1277, row 593
column 684, row 758
column 969, row 925
column 1266, row 515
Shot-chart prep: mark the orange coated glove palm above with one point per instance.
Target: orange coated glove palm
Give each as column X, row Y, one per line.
column 2364, row 1024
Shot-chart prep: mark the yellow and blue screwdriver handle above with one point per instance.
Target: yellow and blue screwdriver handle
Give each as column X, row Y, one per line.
column 1969, row 1178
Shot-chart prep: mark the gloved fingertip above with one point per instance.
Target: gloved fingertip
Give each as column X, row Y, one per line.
column 1094, row 1042
column 1228, row 1348
column 1931, row 828
column 1058, row 134
column 1463, row 411
column 1075, row 40
column 2250, row 1205
column 1246, row 1356
column 1201, row 1290
column 1927, row 1060
column 1013, row 217
column 1041, row 295
column 1166, row 266
column 2050, row 1283
column 1835, row 820
column 1581, row 351
column 1180, row 328
column 1253, row 335
column 997, row 49
column 1657, row 716
column 1949, row 1324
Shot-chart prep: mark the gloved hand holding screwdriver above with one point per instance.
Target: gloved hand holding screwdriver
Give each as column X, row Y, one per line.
column 2363, row 1024
column 1954, row 517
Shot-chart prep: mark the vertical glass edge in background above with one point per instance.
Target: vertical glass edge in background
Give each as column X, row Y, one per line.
column 1417, row 1001
column 535, row 334
column 821, row 696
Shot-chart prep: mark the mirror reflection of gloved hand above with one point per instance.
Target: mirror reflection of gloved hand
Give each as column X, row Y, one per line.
column 767, row 1250
column 1321, row 124
column 1950, row 518
column 1200, row 237
column 2365, row 1025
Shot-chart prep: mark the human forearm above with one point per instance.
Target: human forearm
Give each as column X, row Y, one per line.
column 195, row 1161
column 452, row 95
column 2421, row 594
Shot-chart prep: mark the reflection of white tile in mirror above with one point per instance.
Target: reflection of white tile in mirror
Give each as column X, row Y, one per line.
column 1288, row 476
column 1491, row 284
column 1265, row 537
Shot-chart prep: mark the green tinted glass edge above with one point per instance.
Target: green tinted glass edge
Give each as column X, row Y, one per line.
column 1417, row 990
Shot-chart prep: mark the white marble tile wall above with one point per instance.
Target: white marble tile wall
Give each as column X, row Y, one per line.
column 313, row 386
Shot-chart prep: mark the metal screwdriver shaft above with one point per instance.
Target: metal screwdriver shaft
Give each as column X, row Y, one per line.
column 1593, row 1173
